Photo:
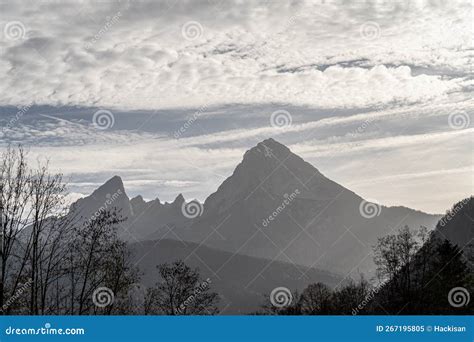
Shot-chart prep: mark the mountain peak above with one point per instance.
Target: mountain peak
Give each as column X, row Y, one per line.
column 268, row 148
column 271, row 143
column 113, row 185
column 269, row 167
column 138, row 200
column 179, row 200
column 109, row 195
column 116, row 180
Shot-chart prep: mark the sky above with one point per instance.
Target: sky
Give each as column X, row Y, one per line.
column 170, row 94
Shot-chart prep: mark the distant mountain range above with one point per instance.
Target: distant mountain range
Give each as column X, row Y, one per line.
column 241, row 281
column 274, row 206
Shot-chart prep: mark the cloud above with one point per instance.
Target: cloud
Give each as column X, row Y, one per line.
column 359, row 150
column 369, row 87
column 137, row 55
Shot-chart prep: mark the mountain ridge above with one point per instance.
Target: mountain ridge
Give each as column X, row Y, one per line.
column 318, row 221
column 240, row 280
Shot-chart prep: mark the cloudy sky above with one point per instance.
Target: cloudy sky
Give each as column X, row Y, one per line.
column 169, row 94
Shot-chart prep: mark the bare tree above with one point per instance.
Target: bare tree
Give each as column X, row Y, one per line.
column 98, row 259
column 59, row 256
column 14, row 192
column 350, row 296
column 393, row 257
column 181, row 292
column 47, row 233
column 316, row 300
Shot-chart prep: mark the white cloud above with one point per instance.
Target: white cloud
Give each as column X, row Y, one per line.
column 384, row 151
column 365, row 111
column 133, row 55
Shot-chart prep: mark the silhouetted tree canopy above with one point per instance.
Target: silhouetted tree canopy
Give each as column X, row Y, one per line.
column 180, row 291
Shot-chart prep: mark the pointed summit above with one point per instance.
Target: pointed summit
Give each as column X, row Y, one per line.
column 179, row 200
column 270, row 168
column 298, row 210
column 268, row 148
column 137, row 200
column 113, row 185
column 273, row 144
column 111, row 195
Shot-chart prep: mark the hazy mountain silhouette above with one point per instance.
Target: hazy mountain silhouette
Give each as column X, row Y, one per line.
column 457, row 226
column 322, row 226
column 314, row 221
column 240, row 280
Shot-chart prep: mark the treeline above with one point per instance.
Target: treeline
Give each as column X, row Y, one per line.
column 418, row 274
column 53, row 261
